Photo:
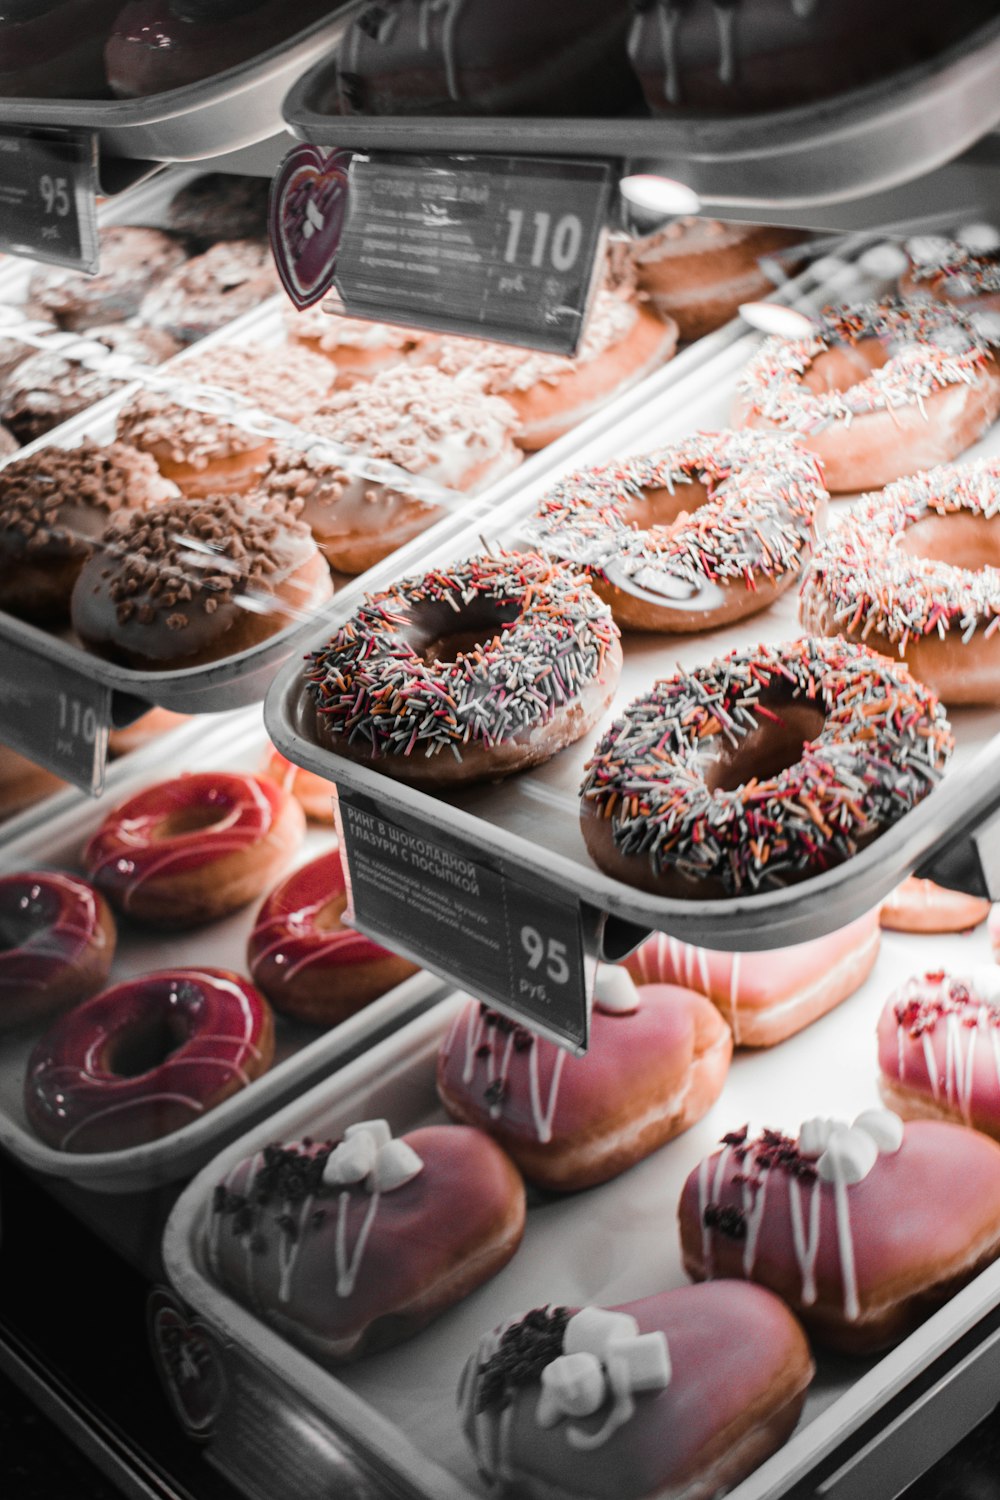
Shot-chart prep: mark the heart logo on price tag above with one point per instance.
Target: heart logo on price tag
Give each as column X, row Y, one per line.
column 306, row 215
column 190, row 1365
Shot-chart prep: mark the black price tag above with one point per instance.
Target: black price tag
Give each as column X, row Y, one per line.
column 48, row 196
column 497, row 247
column 55, row 716
column 429, row 896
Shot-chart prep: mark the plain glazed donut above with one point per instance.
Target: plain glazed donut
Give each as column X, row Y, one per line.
column 878, row 391
column 939, row 1049
column 145, row 1058
column 657, row 1059
column 184, row 852
column 915, row 573
column 314, row 794
column 921, row 906
column 689, row 537
column 351, row 1248
column 767, row 996
column 760, row 769
column 966, row 275
column 57, row 940
column 863, row 1230
column 680, row 1395
column 308, row 964
column 467, row 674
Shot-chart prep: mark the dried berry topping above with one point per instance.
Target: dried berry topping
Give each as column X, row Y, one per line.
column 525, row 1348
column 730, row 1221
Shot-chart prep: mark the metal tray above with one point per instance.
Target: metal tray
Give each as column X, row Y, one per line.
column 304, row 1053
column 530, row 822
column 611, row 1244
column 862, row 142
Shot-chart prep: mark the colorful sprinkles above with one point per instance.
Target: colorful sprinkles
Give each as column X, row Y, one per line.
column 956, row 269
column 882, row 748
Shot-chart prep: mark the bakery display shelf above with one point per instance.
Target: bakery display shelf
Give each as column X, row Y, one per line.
column 863, row 142
column 303, row 1053
column 609, row 1245
column 530, row 821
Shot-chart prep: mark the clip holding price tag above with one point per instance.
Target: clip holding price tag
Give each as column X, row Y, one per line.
column 57, row 717
column 48, row 195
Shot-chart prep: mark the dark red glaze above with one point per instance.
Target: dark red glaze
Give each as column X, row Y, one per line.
column 57, row 940
column 147, row 1057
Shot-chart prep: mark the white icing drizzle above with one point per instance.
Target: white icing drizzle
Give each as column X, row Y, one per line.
column 754, row 1199
column 669, row 19
column 348, row 1267
column 806, row 1245
column 451, row 9
column 725, row 20
column 845, row 1244
column 951, row 1079
column 288, row 1248
column 705, row 1197
column 734, row 995
column 478, row 1034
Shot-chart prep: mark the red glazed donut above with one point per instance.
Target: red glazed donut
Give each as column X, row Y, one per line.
column 147, row 1057
column 307, row 963
column 57, row 940
column 939, row 1049
column 921, row 906
column 186, row 851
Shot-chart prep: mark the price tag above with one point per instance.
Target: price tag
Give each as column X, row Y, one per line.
column 431, row 897
column 48, row 196
column 57, row 717
column 493, row 246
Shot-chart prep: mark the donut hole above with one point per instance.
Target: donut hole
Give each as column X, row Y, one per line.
column 33, row 909
column 842, row 366
column 443, row 634
column 662, row 507
column 961, row 540
column 769, row 748
column 145, row 1045
column 194, row 819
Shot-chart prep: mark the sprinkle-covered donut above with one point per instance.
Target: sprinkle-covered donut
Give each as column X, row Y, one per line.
column 962, row 271
column 877, row 390
column 691, row 536
column 760, row 769
column 466, row 674
column 147, row 1057
column 57, row 940
column 915, row 573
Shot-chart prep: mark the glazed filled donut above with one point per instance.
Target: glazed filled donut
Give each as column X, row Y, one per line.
column 768, row 996
column 210, row 290
column 657, row 1059
column 145, row 1058
column 54, row 505
column 22, row 783
column 466, row 675
column 308, row 964
column 360, row 349
column 57, row 940
column 877, row 391
column 939, row 1049
column 186, row 851
column 313, row 793
column 681, row 1394
column 921, row 906
column 699, row 271
column 760, row 769
column 141, row 731
column 692, row 536
column 132, row 260
column 445, row 431
column 624, row 340
column 863, row 1229
column 351, row 1247
column 196, row 581
column 966, row 274
column 915, row 573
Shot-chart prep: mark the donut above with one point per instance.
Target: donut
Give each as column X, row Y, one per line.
column 186, row 851
column 921, row 906
column 965, row 274
column 142, row 731
column 22, row 783
column 437, row 429
column 205, row 293
column 699, row 271
column 465, row 675
column 196, row 581
column 768, row 996
column 683, row 1393
column 349, row 1247
column 688, row 537
column 308, row 964
column 203, row 453
column 58, row 940
column 862, row 1229
column 220, row 206
column 656, row 1062
column 9, row 444
column 145, row 1058
column 913, row 572
column 877, row 391
column 52, row 49
column 54, row 505
column 131, row 261
column 939, row 1048
column 624, row 340
column 767, row 766
column 313, row 793
column 358, row 348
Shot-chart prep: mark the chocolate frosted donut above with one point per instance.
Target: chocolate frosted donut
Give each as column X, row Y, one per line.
column 208, row 291
column 131, row 261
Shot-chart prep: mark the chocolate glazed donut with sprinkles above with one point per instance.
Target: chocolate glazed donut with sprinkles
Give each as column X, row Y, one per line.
column 691, row 536
column 467, row 674
column 761, row 769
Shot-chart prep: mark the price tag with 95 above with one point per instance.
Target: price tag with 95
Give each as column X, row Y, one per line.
column 548, row 977
column 48, row 195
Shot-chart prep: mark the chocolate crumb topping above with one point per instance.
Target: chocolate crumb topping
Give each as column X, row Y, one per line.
column 525, row 1348
column 42, row 494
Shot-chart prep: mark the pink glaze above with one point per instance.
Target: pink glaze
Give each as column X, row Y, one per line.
column 939, row 1041
column 146, row 1057
column 922, row 906
column 58, row 939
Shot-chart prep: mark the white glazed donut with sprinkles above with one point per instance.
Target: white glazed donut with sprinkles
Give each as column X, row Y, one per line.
column 760, row 769
column 878, row 390
column 915, row 572
column 691, row 536
column 466, row 674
